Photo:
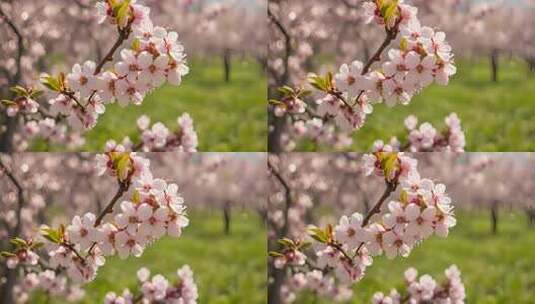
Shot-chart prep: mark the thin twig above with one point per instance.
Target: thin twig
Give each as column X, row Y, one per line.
column 287, row 43
column 123, row 187
column 20, row 41
column 20, row 196
column 288, row 195
column 390, row 187
column 123, row 36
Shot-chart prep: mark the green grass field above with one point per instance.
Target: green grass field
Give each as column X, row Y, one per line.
column 495, row 116
column 228, row 116
column 495, row 269
column 227, row 269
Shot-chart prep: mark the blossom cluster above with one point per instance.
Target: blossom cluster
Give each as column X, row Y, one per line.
column 54, row 283
column 418, row 56
column 21, row 104
column 427, row 138
column 319, row 132
column 49, row 281
column 155, row 56
column 159, row 290
column 423, row 57
column 155, row 209
column 426, row 290
column 158, row 137
column 347, row 249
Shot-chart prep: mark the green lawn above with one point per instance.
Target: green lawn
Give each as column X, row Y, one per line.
column 495, row 116
column 495, row 269
column 228, row 116
column 227, row 269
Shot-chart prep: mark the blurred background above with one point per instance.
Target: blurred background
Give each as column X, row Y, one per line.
column 225, row 41
column 225, row 243
column 493, row 42
column 492, row 243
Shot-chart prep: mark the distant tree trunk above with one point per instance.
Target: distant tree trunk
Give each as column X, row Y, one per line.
column 531, row 64
column 6, row 140
column 530, row 214
column 494, row 63
column 494, row 217
column 226, row 217
column 276, row 277
column 227, row 64
column 7, row 290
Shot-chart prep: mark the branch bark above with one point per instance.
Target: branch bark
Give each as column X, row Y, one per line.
column 390, row 187
column 6, row 140
column 123, row 187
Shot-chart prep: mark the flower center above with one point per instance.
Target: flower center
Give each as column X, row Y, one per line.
column 420, row 68
column 83, row 80
column 83, row 232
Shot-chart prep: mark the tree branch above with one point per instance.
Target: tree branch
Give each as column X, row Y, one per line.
column 123, row 187
column 123, row 36
column 20, row 41
column 20, row 196
column 288, row 44
column 288, row 195
column 390, row 187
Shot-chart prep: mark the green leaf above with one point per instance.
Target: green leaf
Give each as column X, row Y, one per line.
column 52, row 235
column 275, row 254
column 404, row 44
column 123, row 12
column 389, row 163
column 8, row 102
column 304, row 245
column 51, row 83
column 123, row 165
column 286, row 242
column 286, row 91
column 136, row 44
column 20, row 91
column 7, row 254
column 36, row 94
column 136, row 197
column 20, row 243
column 318, row 83
column 276, row 102
column 37, row 245
column 404, row 197
column 389, row 11
column 319, row 235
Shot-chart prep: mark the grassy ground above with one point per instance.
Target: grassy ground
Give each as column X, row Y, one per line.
column 228, row 116
column 495, row 116
column 227, row 269
column 495, row 269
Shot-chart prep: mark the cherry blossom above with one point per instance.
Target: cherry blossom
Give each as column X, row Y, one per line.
column 343, row 252
column 417, row 56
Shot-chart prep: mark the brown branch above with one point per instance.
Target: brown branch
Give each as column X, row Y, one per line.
column 71, row 248
column 20, row 196
column 288, row 44
column 123, row 187
column 123, row 36
column 288, row 195
column 391, row 34
column 20, row 46
column 390, row 187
